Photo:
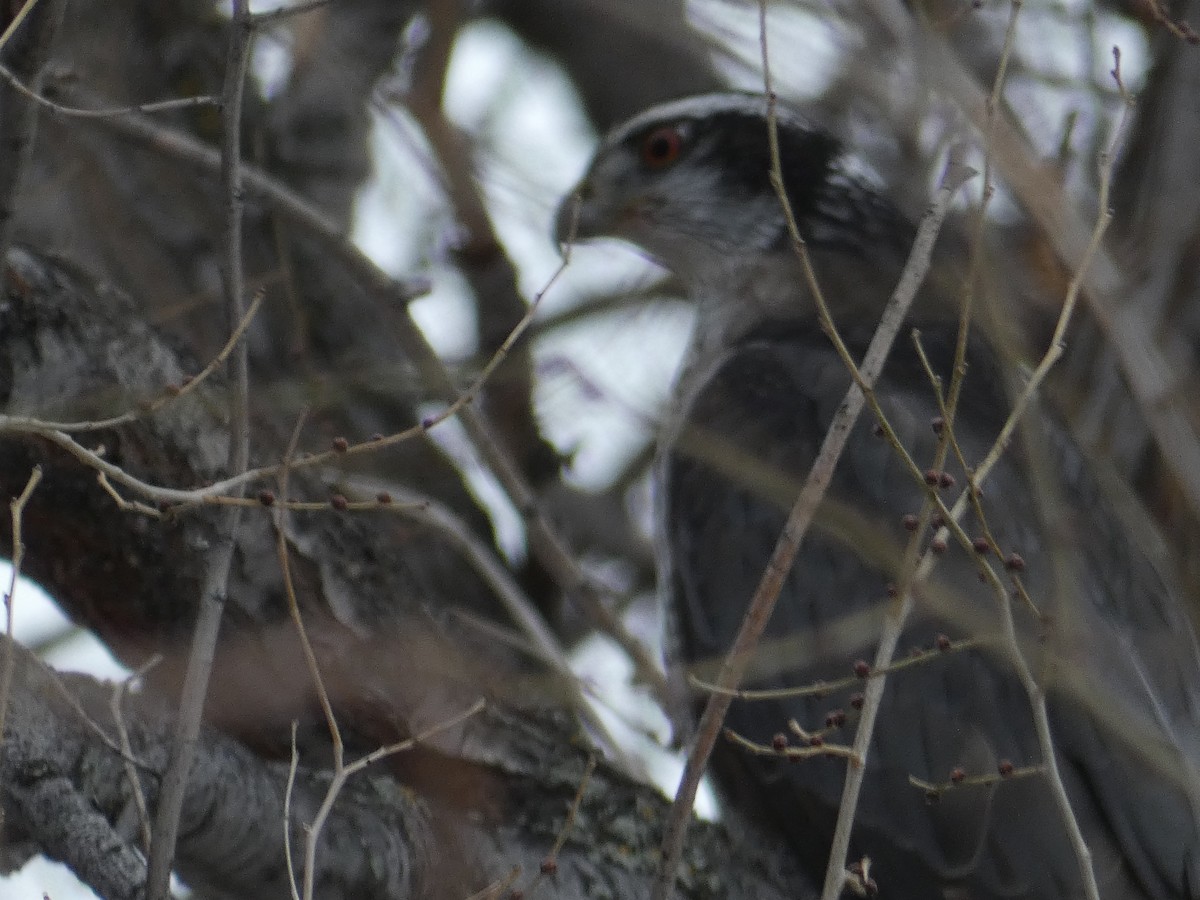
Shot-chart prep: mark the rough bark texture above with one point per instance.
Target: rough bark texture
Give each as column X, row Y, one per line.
column 67, row 792
column 395, row 623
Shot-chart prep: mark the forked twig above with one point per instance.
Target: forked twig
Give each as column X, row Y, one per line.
column 342, row 773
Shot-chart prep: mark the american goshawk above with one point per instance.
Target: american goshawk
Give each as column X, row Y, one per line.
column 687, row 182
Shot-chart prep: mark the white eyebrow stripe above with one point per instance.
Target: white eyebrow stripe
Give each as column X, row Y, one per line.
column 703, row 106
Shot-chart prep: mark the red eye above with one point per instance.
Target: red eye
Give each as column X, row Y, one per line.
column 661, row 147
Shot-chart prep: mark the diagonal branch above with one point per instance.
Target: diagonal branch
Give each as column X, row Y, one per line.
column 801, row 515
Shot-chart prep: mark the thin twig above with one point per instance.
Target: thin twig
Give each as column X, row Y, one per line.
column 68, row 696
column 821, row 688
column 233, row 268
column 17, row 20
column 16, row 510
column 795, row 754
column 78, row 113
column 342, row 773
column 293, row 766
column 958, row 780
column 172, row 394
column 835, row 872
column 216, row 581
column 135, row 783
column 550, row 863
column 310, row 656
column 1114, row 299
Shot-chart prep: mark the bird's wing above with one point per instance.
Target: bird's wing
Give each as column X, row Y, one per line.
column 1112, row 647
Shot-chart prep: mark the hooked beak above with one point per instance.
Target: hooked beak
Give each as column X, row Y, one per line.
column 587, row 214
column 578, row 218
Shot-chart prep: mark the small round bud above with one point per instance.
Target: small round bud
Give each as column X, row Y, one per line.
column 946, row 480
column 338, row 502
column 1015, row 563
column 376, row 437
column 942, row 642
column 383, row 498
column 779, row 743
column 938, row 424
column 1005, row 768
column 340, row 445
column 816, row 741
column 862, row 668
column 856, row 701
column 937, row 545
column 892, row 591
column 266, row 498
column 910, row 522
column 957, row 774
column 938, row 521
column 187, row 379
column 549, row 865
column 981, row 545
column 931, row 477
column 835, row 718
column 174, row 389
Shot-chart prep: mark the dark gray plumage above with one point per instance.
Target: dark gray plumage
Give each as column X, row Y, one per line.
column 687, row 182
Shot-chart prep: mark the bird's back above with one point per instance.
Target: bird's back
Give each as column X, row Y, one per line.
column 1108, row 641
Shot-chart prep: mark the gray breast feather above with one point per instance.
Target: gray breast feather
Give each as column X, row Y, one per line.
column 1114, row 650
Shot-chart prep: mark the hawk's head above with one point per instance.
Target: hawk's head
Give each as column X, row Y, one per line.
column 689, row 182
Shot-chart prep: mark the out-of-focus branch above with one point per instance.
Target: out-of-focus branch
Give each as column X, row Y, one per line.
column 589, row 39
column 1107, row 290
column 508, row 394
column 27, row 40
